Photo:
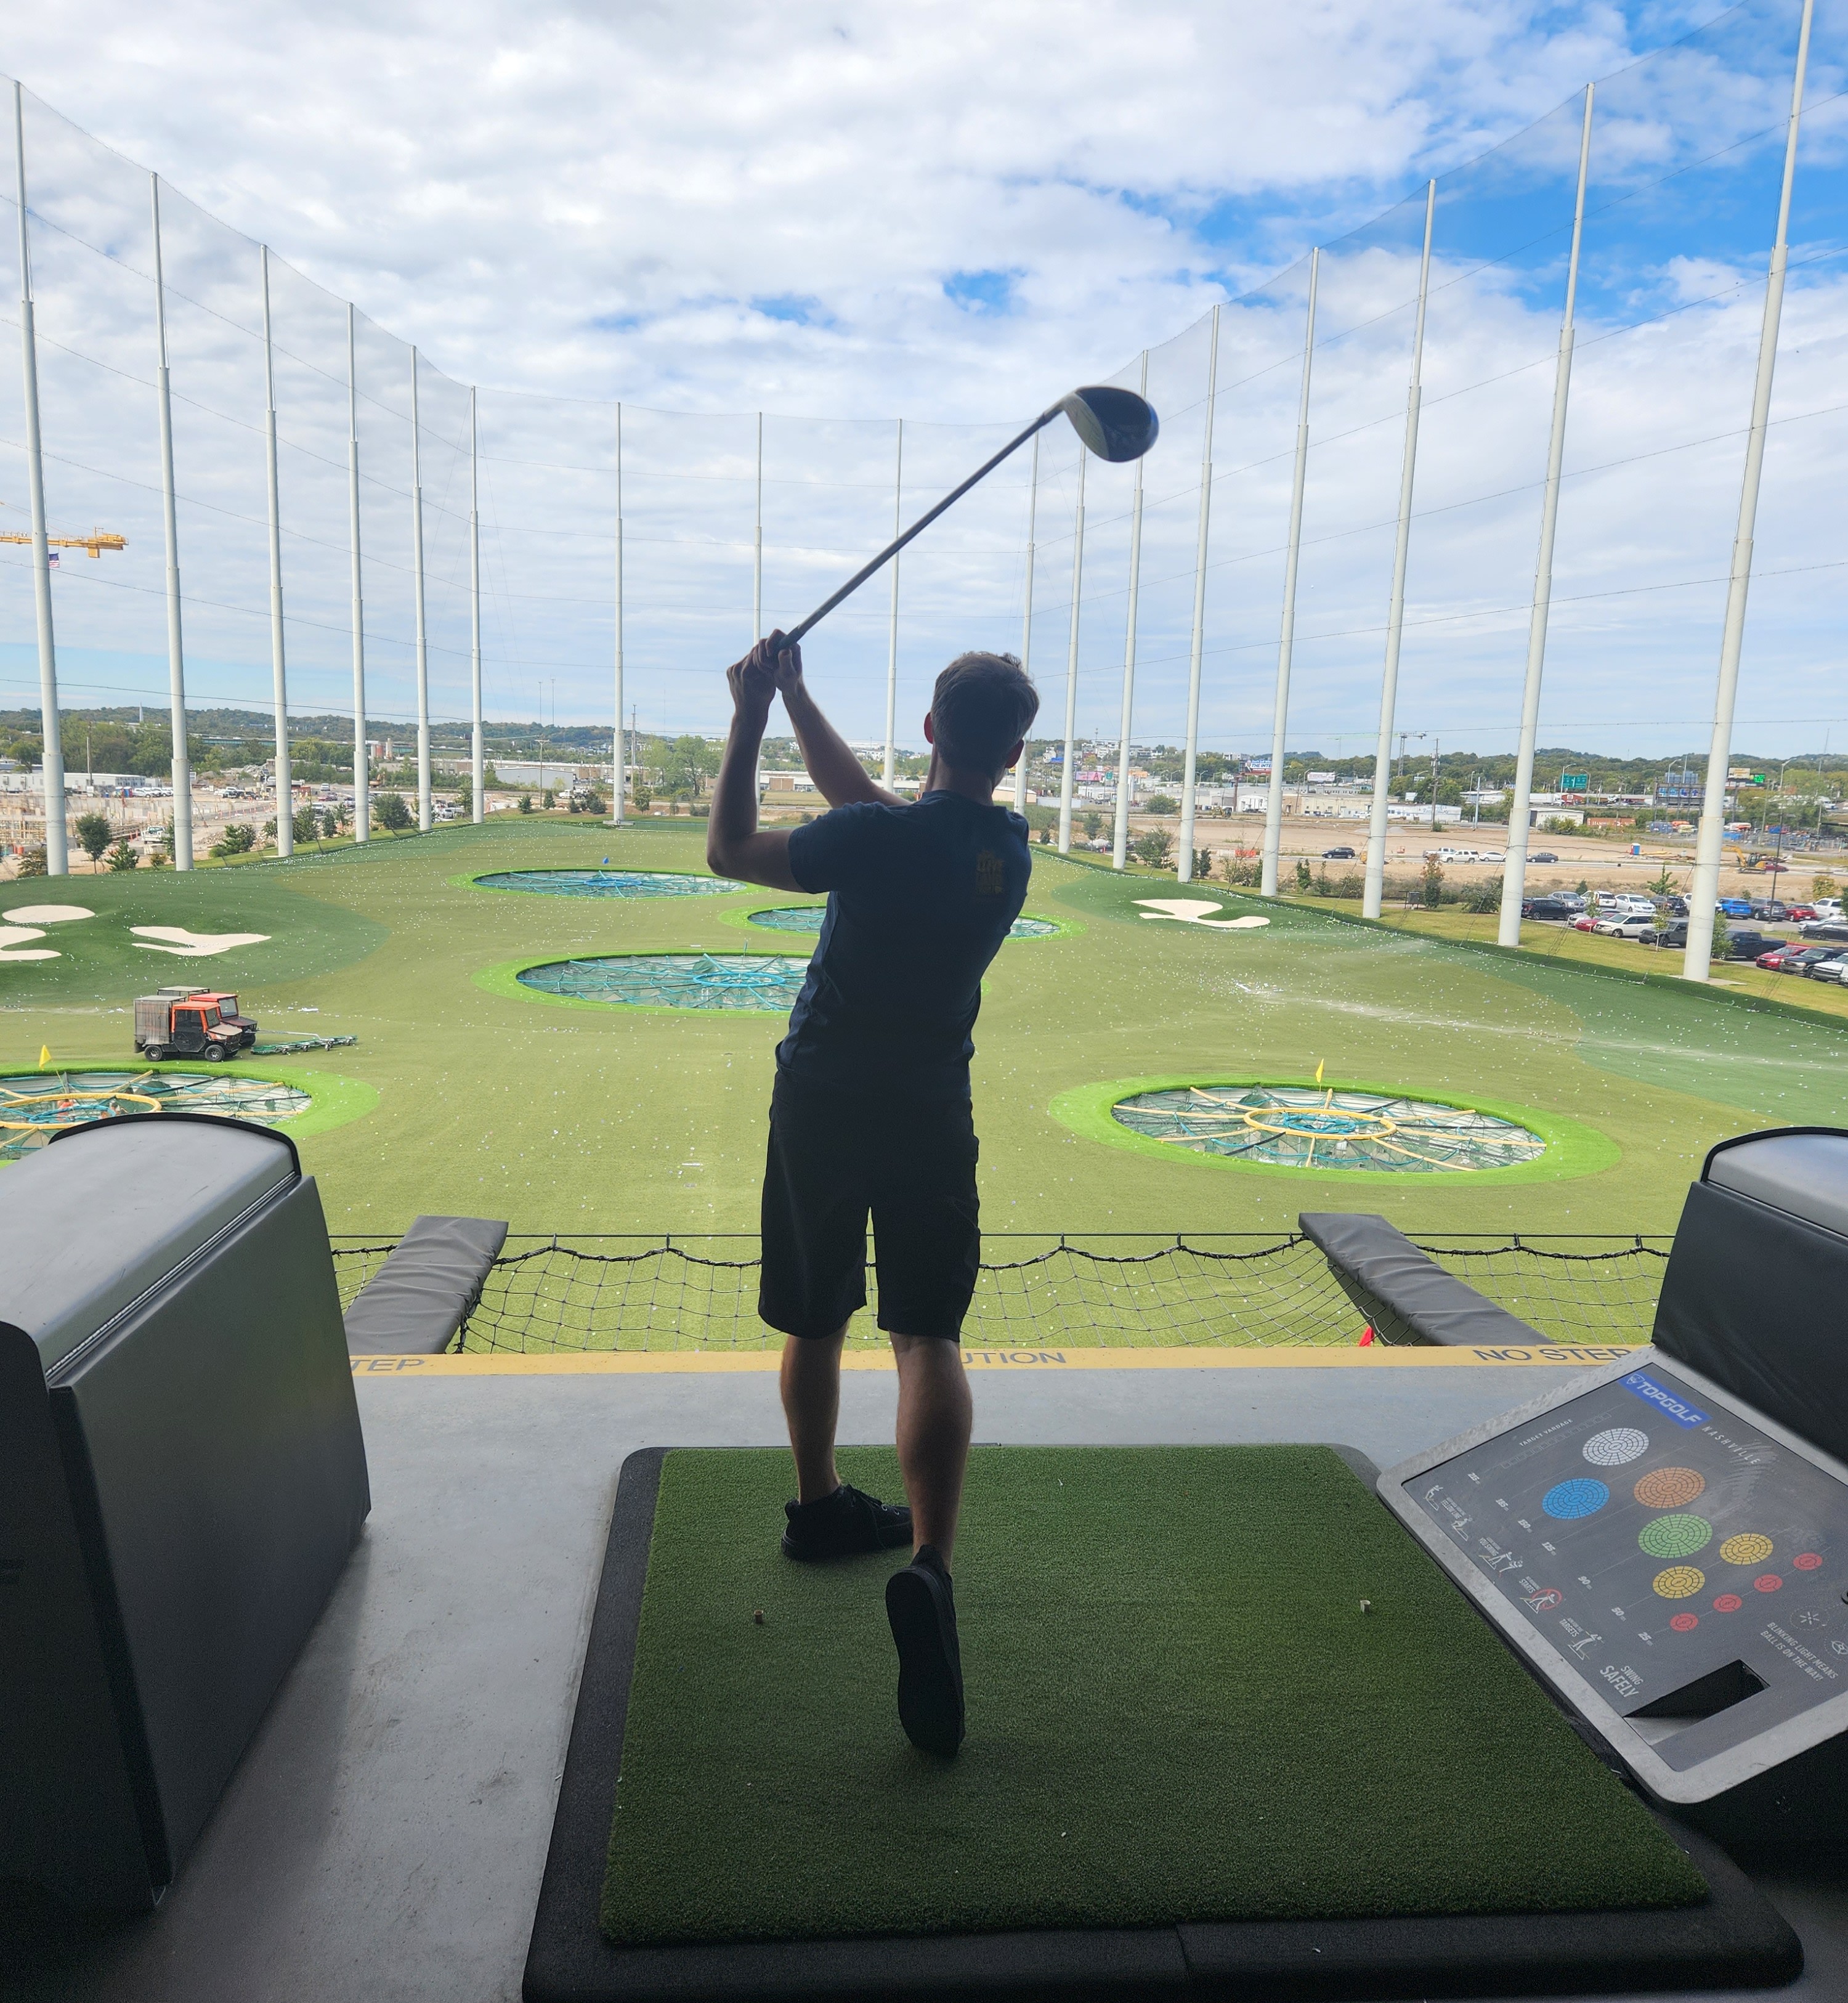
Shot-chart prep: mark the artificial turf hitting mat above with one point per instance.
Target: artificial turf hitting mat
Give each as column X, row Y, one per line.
column 1194, row 1765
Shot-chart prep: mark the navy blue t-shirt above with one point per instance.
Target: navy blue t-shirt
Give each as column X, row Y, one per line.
column 920, row 899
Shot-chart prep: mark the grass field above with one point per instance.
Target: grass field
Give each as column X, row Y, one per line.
column 582, row 1119
column 1178, row 1710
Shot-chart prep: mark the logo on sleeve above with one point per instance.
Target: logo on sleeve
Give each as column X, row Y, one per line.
column 991, row 875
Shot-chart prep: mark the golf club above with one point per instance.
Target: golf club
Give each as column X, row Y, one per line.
column 1117, row 424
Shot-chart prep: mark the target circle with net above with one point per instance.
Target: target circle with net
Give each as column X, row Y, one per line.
column 1328, row 1127
column 765, row 982
column 605, row 884
column 35, row 1106
column 807, row 919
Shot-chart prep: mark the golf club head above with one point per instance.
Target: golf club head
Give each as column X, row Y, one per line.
column 1117, row 424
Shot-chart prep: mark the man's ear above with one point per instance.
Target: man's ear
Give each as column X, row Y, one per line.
column 930, row 729
column 1014, row 756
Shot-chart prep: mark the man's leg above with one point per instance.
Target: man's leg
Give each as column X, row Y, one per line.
column 810, row 1387
column 935, row 1418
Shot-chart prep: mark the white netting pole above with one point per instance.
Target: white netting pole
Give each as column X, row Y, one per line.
column 1196, row 652
column 898, row 528
column 1026, row 618
column 1374, row 893
column 1280, row 718
column 1071, row 665
column 182, row 773
column 424, row 814
column 619, row 769
column 478, row 759
column 756, row 556
column 1119, row 839
column 1513, row 879
column 1704, row 893
column 52, row 758
column 284, row 789
column 362, row 804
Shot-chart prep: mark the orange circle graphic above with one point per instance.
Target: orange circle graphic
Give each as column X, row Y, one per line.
column 1669, row 1488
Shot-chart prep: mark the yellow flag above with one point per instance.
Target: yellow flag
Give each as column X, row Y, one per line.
column 1319, row 1070
column 44, row 1055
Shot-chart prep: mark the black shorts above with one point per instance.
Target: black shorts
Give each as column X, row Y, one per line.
column 833, row 1158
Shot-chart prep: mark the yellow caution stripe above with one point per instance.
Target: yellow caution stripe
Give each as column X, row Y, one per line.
column 697, row 1362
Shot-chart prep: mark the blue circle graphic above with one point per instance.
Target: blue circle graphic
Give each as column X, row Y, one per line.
column 1575, row 1498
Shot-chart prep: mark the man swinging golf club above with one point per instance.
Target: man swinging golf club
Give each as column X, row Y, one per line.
column 871, row 1111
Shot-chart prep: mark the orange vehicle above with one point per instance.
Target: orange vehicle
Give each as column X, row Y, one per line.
column 191, row 1022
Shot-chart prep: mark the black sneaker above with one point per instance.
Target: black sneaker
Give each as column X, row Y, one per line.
column 847, row 1524
column 921, row 1606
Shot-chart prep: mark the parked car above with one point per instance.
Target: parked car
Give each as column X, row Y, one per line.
column 1831, row 969
column 1629, row 927
column 1769, row 911
column 1799, row 913
column 1554, row 910
column 1677, row 907
column 1734, row 908
column 1748, row 945
column 1773, row 961
column 1828, row 907
column 1337, row 855
column 1808, row 960
column 1586, row 921
column 1826, row 928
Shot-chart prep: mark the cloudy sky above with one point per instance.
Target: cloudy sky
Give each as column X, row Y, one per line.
column 942, row 214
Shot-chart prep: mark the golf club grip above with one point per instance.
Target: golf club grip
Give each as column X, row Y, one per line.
column 917, row 528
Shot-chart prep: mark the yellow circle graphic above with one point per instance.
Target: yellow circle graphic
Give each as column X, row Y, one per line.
column 1679, row 1580
column 1747, row 1548
column 1669, row 1488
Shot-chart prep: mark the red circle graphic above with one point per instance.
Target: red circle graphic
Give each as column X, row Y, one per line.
column 1728, row 1602
column 1807, row 1561
column 1767, row 1581
column 1681, row 1622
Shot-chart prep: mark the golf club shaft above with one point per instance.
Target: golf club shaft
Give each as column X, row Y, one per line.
column 923, row 522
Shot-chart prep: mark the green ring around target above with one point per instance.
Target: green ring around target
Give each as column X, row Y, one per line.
column 1572, row 1147
column 1676, row 1537
column 504, row 979
column 333, row 1100
column 746, row 922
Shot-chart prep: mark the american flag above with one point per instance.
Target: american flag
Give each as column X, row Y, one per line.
column 53, row 557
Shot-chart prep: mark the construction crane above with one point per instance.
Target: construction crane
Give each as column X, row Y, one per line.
column 94, row 543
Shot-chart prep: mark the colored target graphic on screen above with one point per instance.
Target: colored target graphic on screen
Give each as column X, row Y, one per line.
column 1674, row 1536
column 1669, row 1488
column 1747, row 1548
column 1684, row 1624
column 1678, row 1581
column 1617, row 1447
column 1567, row 1500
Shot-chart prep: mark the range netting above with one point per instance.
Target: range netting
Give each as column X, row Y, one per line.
column 700, row 1293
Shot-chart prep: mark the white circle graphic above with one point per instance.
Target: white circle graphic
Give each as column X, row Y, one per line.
column 1614, row 1448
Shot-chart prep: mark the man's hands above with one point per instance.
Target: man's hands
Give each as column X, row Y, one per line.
column 771, row 668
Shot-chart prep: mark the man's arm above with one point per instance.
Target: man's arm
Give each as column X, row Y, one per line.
column 840, row 778
column 735, row 845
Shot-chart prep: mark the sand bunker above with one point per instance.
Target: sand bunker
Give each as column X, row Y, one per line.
column 13, row 943
column 1192, row 911
column 191, row 946
column 47, row 914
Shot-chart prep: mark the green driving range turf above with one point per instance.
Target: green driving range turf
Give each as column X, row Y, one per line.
column 1177, row 1711
column 491, row 1101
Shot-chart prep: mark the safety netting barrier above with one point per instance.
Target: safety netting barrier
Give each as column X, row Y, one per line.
column 36, row 1106
column 605, row 884
column 1226, row 1291
column 761, row 980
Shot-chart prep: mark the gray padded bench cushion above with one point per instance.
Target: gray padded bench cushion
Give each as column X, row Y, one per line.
column 430, row 1281
column 1407, row 1295
column 1756, row 1296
